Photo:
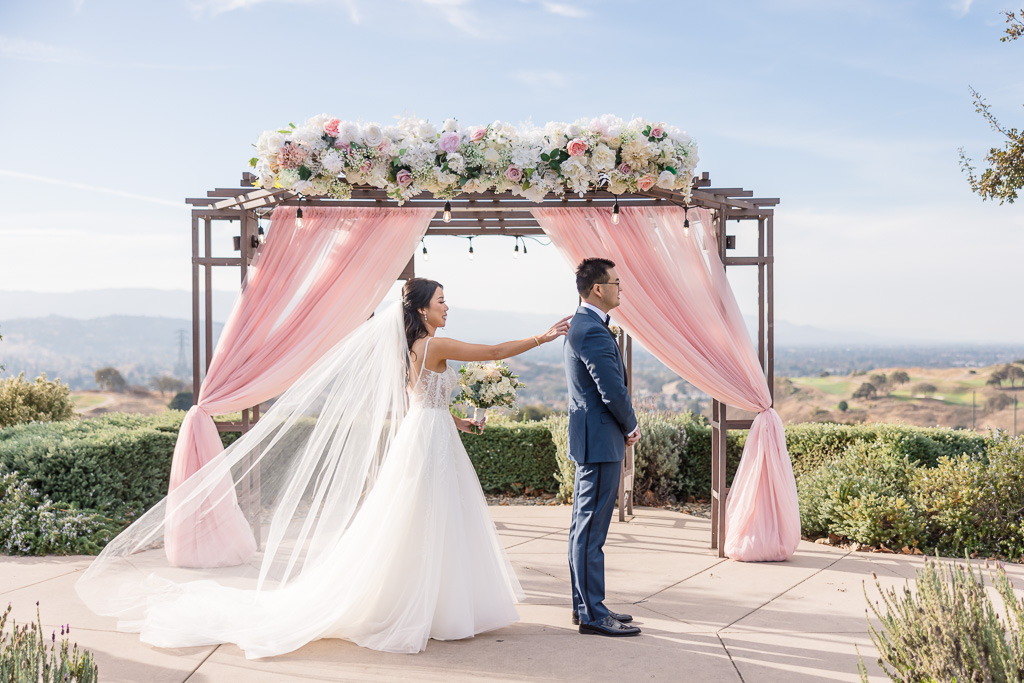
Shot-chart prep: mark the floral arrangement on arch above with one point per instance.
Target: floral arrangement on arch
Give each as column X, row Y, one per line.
column 326, row 156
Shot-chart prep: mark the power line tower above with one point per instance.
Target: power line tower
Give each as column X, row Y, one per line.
column 182, row 369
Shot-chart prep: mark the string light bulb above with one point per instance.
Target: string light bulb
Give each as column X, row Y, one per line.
column 524, row 247
column 298, row 218
column 615, row 212
column 261, row 235
column 686, row 222
column 470, row 248
column 426, row 256
column 515, row 252
column 447, row 215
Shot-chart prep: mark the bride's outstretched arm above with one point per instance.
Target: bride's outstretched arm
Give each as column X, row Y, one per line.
column 453, row 349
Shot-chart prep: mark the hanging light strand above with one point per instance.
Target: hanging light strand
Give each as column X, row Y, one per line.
column 615, row 211
column 447, row 214
column 426, row 256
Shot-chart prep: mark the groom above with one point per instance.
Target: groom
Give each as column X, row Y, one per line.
column 601, row 425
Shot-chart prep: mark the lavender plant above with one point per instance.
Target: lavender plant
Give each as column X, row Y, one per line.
column 948, row 629
column 25, row 655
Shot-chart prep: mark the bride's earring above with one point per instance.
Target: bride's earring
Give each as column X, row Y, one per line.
column 424, row 318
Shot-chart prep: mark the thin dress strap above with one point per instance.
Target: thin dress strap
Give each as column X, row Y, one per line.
column 423, row 361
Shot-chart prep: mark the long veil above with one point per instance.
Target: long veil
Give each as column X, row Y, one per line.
column 298, row 477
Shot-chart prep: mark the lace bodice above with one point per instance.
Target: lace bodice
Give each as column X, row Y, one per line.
column 433, row 390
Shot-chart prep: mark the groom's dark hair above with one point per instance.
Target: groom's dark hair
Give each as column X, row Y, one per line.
column 589, row 272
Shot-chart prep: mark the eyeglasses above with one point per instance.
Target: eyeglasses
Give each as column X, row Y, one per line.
column 616, row 283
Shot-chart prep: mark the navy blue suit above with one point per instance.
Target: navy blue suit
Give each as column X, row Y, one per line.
column 600, row 417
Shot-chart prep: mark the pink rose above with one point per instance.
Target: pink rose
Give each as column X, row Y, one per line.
column 340, row 144
column 404, row 177
column 514, row 174
column 331, row 127
column 597, row 125
column 365, row 167
column 449, row 142
column 645, row 182
column 385, row 146
column 478, row 134
column 577, row 147
column 625, row 169
column 658, row 132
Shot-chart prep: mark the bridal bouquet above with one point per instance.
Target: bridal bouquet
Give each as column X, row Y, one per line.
column 488, row 385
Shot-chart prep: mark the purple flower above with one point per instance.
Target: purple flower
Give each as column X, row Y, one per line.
column 404, row 177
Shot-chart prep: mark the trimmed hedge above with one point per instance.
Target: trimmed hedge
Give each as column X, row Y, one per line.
column 814, row 444
column 513, row 456
column 104, row 463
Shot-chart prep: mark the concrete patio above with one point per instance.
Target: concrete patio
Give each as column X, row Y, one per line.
column 703, row 618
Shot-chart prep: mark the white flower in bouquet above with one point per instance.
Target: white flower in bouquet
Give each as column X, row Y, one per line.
column 603, row 158
column 488, row 385
column 667, row 180
column 333, row 163
column 372, row 135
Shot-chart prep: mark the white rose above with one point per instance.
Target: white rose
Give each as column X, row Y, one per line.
column 426, row 131
column 667, row 180
column 491, row 156
column 270, row 142
column 603, row 158
column 451, row 126
column 573, row 168
column 573, row 130
column 372, row 135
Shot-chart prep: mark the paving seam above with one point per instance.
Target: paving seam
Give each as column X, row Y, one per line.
column 200, row 664
column 552, row 533
column 765, row 604
column 687, row 578
column 36, row 583
column 729, row 655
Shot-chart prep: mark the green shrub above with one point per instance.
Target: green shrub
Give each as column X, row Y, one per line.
column 39, row 401
column 669, row 456
column 863, row 496
column 513, row 457
column 32, row 524
column 26, row 656
column 695, row 463
column 104, row 463
column 974, row 504
column 948, row 629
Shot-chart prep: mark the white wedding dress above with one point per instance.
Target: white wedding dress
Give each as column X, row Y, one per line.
column 419, row 557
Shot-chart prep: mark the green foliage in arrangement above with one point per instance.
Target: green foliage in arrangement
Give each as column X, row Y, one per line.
column 513, row 457
column 39, row 401
column 105, row 463
column 26, row 656
column 948, row 629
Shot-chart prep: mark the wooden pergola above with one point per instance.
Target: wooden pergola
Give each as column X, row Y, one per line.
column 486, row 214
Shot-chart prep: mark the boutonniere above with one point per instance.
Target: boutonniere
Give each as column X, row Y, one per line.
column 615, row 330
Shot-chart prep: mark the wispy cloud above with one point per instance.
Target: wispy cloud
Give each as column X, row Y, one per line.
column 961, row 7
column 539, row 78
column 458, row 14
column 90, row 188
column 564, row 10
column 33, row 51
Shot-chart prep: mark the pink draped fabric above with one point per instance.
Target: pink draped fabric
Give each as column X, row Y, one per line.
column 307, row 288
column 676, row 300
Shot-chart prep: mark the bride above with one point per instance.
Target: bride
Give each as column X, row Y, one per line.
column 365, row 512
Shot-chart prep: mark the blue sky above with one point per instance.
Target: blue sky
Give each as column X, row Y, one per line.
column 851, row 112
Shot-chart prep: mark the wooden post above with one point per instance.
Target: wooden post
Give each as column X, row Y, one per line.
column 196, row 368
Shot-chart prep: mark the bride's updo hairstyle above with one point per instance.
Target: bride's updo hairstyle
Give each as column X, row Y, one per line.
column 416, row 294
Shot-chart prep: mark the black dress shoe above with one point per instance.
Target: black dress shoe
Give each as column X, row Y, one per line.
column 624, row 618
column 609, row 626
